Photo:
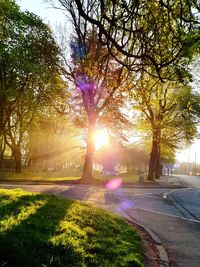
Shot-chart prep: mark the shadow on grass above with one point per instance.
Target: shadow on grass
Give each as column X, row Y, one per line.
column 42, row 230
column 26, row 228
column 13, row 206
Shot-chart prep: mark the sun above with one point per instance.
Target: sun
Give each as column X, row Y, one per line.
column 101, row 139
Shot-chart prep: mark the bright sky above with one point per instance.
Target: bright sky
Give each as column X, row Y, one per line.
column 42, row 9
column 191, row 154
column 55, row 16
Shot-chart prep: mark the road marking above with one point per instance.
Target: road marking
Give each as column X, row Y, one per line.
column 128, row 194
column 141, row 194
column 170, row 215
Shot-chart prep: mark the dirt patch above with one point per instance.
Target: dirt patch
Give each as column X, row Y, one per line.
column 151, row 254
column 172, row 263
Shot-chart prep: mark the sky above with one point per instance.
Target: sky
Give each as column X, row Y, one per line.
column 42, row 9
column 55, row 16
column 190, row 154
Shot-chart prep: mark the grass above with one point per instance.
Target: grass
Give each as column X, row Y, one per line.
column 60, row 177
column 39, row 176
column 42, row 230
column 126, row 178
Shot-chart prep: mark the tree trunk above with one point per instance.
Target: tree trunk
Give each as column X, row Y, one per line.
column 18, row 160
column 152, row 160
column 2, row 107
column 1, row 159
column 128, row 169
column 2, row 150
column 157, row 165
column 87, row 168
column 2, row 145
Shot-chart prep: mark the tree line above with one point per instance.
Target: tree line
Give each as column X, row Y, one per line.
column 134, row 54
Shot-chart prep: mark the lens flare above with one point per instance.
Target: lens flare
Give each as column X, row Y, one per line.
column 114, row 184
column 126, row 204
column 83, row 83
column 78, row 51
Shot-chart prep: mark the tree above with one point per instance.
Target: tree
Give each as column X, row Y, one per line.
column 98, row 79
column 155, row 37
column 19, row 117
column 2, row 149
column 156, row 34
column 169, row 109
column 28, row 54
column 101, row 102
column 134, row 157
column 29, row 73
column 22, row 113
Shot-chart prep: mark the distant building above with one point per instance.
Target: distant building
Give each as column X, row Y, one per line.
column 190, row 168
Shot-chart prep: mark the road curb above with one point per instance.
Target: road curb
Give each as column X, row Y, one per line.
column 164, row 260
column 185, row 212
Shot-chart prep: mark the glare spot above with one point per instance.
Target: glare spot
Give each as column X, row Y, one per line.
column 83, row 83
column 78, row 51
column 126, row 204
column 113, row 184
column 101, row 139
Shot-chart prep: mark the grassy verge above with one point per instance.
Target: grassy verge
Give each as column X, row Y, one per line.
column 39, row 176
column 126, row 178
column 60, row 177
column 39, row 230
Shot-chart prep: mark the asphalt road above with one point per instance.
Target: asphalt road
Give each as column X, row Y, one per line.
column 172, row 214
column 189, row 198
column 190, row 181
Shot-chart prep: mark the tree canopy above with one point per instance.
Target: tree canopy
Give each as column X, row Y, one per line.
column 152, row 33
column 29, row 74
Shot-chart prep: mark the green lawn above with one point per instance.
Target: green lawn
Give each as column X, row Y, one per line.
column 126, row 178
column 60, row 176
column 40, row 176
column 42, row 230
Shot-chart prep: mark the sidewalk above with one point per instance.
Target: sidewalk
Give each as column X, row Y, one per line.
column 170, row 180
column 163, row 182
